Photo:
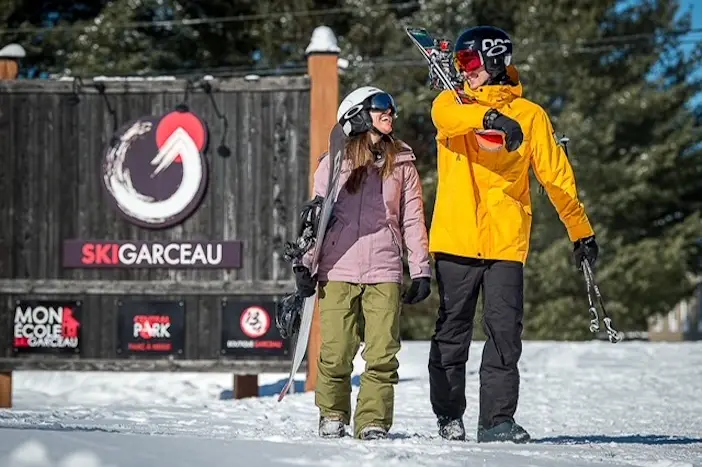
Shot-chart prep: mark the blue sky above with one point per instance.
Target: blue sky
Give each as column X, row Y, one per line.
column 696, row 11
column 696, row 6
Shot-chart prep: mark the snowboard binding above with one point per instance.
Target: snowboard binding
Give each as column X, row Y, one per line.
column 309, row 223
column 287, row 315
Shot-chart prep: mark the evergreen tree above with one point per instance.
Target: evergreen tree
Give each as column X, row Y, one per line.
column 623, row 103
column 28, row 21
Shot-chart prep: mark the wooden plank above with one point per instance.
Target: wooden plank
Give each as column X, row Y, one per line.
column 237, row 367
column 253, row 196
column 165, row 84
column 245, row 386
column 8, row 188
column 128, row 287
column 5, row 390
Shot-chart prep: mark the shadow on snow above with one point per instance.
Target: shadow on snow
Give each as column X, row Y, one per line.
column 273, row 389
column 620, row 439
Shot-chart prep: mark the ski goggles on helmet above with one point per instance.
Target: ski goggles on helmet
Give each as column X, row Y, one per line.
column 382, row 102
column 468, row 60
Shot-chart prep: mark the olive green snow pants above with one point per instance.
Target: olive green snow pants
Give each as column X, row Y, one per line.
column 340, row 306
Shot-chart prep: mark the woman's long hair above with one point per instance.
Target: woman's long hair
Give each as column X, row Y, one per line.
column 360, row 152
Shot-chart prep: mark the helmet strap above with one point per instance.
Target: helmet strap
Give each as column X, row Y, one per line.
column 501, row 78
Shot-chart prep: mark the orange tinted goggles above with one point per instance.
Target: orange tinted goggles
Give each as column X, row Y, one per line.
column 468, row 60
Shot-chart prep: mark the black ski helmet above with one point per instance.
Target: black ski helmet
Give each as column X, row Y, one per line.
column 487, row 46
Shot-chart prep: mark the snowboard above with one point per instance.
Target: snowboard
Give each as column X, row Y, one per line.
column 337, row 141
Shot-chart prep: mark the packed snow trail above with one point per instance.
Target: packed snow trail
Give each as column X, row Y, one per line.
column 586, row 404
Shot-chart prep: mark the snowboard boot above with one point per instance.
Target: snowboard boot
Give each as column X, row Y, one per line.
column 505, row 431
column 331, row 427
column 373, row 432
column 451, row 429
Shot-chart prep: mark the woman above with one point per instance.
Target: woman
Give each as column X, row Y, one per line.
column 379, row 208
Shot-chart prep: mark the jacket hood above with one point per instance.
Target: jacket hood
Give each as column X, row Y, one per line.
column 406, row 154
column 497, row 94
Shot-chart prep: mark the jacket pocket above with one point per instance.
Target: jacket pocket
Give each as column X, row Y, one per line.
column 331, row 238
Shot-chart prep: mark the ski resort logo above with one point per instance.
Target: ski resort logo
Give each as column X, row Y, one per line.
column 151, row 332
column 136, row 254
column 150, row 327
column 247, row 329
column 155, row 172
column 255, row 322
column 47, row 327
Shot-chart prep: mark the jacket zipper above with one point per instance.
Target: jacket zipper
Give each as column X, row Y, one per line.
column 360, row 259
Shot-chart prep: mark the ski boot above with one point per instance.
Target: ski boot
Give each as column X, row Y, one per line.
column 373, row 432
column 331, row 427
column 451, row 429
column 505, row 431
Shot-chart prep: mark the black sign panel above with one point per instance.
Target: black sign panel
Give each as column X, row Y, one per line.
column 150, row 328
column 47, row 326
column 248, row 329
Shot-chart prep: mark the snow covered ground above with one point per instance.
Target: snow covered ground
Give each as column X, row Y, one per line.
column 593, row 403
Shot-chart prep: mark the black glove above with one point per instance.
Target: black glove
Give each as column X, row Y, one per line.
column 494, row 120
column 585, row 248
column 418, row 291
column 305, row 283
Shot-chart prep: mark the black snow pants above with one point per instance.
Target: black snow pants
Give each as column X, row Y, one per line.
column 460, row 280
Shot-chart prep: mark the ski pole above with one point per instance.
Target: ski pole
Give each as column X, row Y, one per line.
column 613, row 335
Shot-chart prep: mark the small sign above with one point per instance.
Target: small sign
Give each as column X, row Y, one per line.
column 248, row 329
column 91, row 254
column 47, row 326
column 150, row 328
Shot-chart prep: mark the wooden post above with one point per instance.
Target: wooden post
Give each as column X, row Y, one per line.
column 9, row 64
column 322, row 67
column 6, row 390
column 9, row 70
column 245, row 386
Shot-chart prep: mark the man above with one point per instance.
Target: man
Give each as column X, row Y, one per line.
column 481, row 227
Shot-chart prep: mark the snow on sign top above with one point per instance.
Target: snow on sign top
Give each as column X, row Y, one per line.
column 323, row 41
column 12, row 51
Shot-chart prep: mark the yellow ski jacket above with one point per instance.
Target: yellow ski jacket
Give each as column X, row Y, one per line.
column 483, row 205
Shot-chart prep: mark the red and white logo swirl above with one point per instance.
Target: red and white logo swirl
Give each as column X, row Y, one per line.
column 156, row 172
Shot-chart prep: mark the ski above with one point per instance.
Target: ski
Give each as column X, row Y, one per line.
column 298, row 311
column 437, row 53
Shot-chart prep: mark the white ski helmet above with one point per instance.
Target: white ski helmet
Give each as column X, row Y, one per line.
column 354, row 112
